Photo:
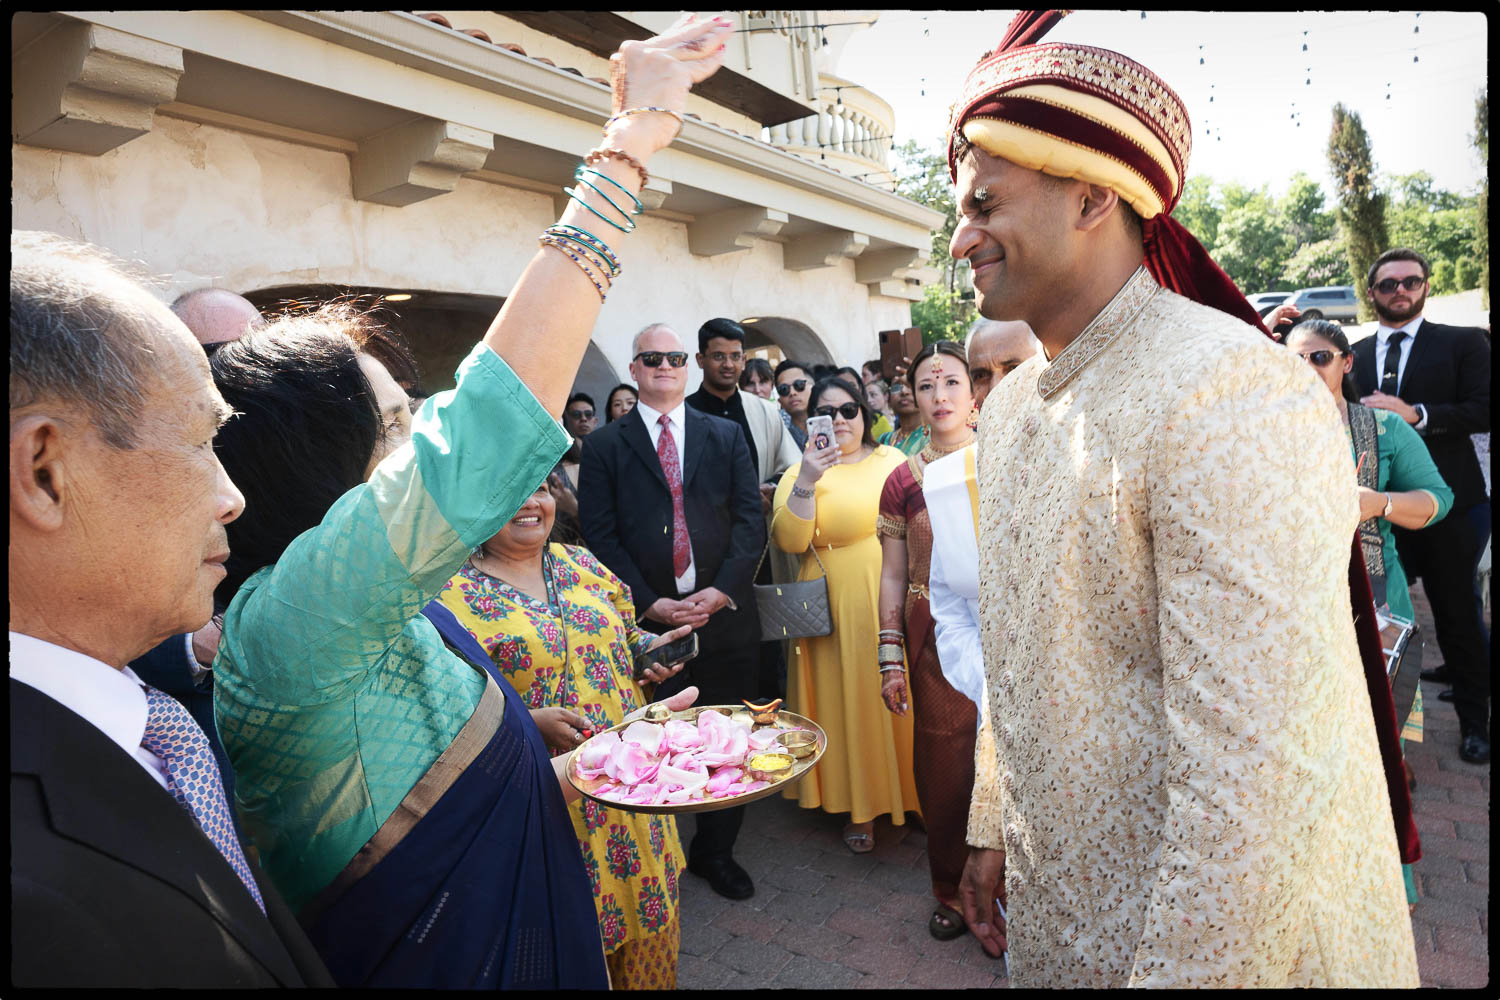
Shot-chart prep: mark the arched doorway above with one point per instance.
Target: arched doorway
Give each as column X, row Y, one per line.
column 778, row 337
column 441, row 328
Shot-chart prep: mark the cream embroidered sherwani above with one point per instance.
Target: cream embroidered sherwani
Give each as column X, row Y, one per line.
column 1181, row 764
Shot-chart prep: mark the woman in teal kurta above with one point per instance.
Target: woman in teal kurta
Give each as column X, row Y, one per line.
column 1397, row 482
column 1398, row 467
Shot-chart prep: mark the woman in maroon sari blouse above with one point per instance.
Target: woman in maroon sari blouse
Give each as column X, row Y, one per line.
column 945, row 721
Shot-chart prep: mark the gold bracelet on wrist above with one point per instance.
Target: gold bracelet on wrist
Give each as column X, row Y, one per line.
column 620, row 116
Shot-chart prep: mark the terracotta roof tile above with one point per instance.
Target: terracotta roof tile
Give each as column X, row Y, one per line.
column 436, row 19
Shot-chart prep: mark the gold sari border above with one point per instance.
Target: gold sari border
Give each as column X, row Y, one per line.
column 451, row 763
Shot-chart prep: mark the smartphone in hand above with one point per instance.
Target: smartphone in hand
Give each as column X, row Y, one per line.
column 820, row 432
column 672, row 653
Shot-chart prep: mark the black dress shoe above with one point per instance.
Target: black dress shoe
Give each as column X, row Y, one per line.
column 725, row 877
column 1446, row 695
column 1438, row 674
column 1475, row 747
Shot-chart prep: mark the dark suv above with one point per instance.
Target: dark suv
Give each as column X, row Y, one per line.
column 1328, row 302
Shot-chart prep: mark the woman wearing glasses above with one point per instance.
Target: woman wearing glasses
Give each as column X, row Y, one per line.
column 1398, row 483
column 793, row 386
column 831, row 499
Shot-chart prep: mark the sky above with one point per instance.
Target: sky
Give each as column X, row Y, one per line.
column 1256, row 118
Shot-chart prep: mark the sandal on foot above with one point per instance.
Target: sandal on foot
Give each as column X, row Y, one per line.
column 946, row 924
column 859, row 843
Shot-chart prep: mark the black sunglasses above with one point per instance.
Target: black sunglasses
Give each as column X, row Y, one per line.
column 581, row 414
column 795, row 385
column 1411, row 284
column 653, row 359
column 848, row 411
column 1322, row 358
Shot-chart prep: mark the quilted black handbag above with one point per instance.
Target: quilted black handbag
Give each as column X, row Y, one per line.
column 792, row 610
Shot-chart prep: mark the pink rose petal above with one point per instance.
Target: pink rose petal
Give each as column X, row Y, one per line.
column 646, row 735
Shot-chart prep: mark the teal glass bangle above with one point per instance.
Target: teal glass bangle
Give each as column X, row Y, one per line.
column 629, row 226
column 592, row 187
column 578, row 175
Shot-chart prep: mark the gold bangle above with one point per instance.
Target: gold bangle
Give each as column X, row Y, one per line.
column 641, row 111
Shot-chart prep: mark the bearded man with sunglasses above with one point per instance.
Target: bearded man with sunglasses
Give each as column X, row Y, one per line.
column 1437, row 378
column 673, row 508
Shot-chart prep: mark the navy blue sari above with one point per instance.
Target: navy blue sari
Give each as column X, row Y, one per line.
column 478, row 883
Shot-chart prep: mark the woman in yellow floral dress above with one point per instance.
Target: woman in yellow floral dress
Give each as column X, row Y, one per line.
column 560, row 626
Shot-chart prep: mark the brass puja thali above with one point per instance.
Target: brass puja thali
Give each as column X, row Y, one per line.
column 680, row 762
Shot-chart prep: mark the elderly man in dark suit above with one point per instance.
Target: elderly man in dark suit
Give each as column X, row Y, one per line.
column 1437, row 378
column 125, row 870
column 673, row 508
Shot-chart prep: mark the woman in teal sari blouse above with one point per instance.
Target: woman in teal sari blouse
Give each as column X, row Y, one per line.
column 1398, row 484
column 1396, row 465
column 393, row 782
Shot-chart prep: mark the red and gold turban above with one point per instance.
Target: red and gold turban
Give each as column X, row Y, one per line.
column 1090, row 114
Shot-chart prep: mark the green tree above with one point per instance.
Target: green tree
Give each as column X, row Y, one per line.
column 1482, row 205
column 1252, row 245
column 943, row 314
column 1314, row 264
column 1303, row 213
column 1361, row 211
column 1198, row 209
column 922, row 176
column 1438, row 223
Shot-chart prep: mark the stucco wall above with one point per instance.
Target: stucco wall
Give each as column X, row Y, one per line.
column 203, row 205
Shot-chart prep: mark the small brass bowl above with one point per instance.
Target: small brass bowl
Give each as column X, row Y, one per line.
column 798, row 742
column 657, row 713
column 769, row 765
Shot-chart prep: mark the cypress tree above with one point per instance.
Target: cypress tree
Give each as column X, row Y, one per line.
column 1361, row 211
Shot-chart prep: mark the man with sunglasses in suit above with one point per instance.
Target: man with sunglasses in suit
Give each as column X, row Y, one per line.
column 1437, row 378
column 673, row 508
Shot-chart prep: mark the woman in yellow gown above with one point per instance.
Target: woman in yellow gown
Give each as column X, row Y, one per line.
column 831, row 499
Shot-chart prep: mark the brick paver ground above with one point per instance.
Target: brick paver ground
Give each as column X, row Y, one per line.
column 823, row 918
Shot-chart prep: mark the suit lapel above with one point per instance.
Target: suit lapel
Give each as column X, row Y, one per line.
column 1421, row 346
column 639, row 440
column 1364, row 358
column 97, row 795
column 694, row 432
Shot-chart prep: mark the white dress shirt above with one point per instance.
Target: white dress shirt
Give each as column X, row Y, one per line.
column 953, row 576
column 111, row 700
column 676, row 423
column 1382, row 343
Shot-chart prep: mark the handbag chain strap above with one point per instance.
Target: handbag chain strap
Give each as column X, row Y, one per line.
column 770, row 531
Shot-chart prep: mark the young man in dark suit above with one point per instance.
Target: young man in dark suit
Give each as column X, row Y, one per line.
column 673, row 508
column 125, row 870
column 1437, row 378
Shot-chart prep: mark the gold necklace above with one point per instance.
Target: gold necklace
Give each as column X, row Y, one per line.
column 934, row 451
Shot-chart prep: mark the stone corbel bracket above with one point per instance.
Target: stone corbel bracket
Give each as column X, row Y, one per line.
column 823, row 249
column 882, row 265
column 417, row 160
column 85, row 88
column 733, row 230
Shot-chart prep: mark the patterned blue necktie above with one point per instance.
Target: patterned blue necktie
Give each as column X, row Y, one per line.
column 193, row 777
